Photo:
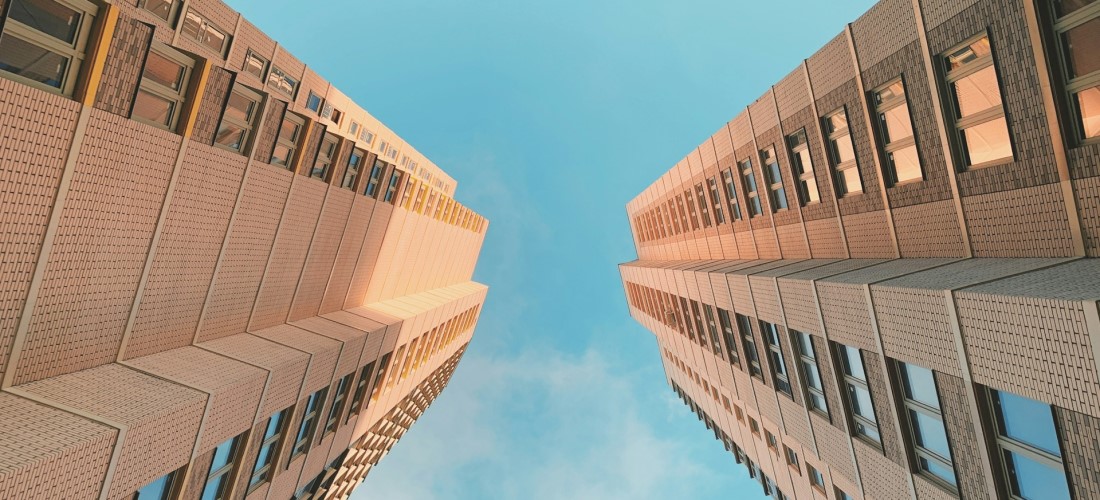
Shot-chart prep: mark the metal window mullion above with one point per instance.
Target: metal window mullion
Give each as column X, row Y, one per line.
column 1077, row 18
column 1083, row 82
column 1046, row 458
column 969, row 68
column 902, row 143
column 986, row 115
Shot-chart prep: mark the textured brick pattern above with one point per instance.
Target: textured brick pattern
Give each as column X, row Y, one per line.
column 882, row 479
column 368, row 256
column 348, row 254
column 36, row 130
column 214, row 97
column 249, row 37
column 308, row 154
column 884, row 411
column 100, row 249
column 868, row 235
column 236, row 285
column 162, row 418
column 1039, row 228
column 53, row 443
column 325, row 353
column 1081, row 451
column 190, row 243
column 122, row 72
column 915, row 327
column 322, row 254
column 929, row 230
column 287, row 366
column 939, row 11
column 269, row 131
column 847, row 316
column 884, row 30
column 831, row 66
column 289, row 253
column 1087, row 193
column 964, row 438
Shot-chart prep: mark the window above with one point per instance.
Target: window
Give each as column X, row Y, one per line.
column 1029, row 449
column 376, row 386
column 310, row 414
column 817, row 480
column 749, row 345
column 164, row 9
column 712, row 327
column 160, row 489
column 771, row 441
column 792, row 458
column 753, row 426
column 750, row 186
column 269, row 447
column 290, row 132
column 255, row 65
column 704, row 207
column 242, row 111
column 314, row 102
column 979, row 116
column 391, row 189
column 43, row 43
column 731, row 194
column 355, row 163
column 857, row 393
column 208, row 34
column 367, row 137
column 279, row 80
column 775, row 357
column 716, row 200
column 811, row 375
column 337, row 115
column 740, row 414
column 353, row 128
column 361, row 389
column 325, row 157
column 803, row 168
column 728, row 335
column 925, row 419
column 775, row 180
column 895, row 127
column 337, row 406
column 1077, row 24
column 221, row 469
column 163, row 89
column 843, row 154
column 841, row 495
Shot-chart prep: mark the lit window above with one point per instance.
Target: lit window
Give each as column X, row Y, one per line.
column 978, row 114
column 391, row 188
column 716, row 200
column 361, row 389
column 896, row 129
column 857, row 393
column 775, row 180
column 817, row 480
column 750, row 187
column 1029, row 449
column 281, row 81
column 749, row 345
column 310, row 414
column 337, row 406
column 925, row 420
column 731, row 194
column 712, row 327
column 160, row 489
column 325, row 157
column 704, row 208
column 314, row 102
column 43, row 42
column 163, row 89
column 269, row 447
column 208, row 34
column 286, row 144
column 255, row 65
column 1077, row 23
column 355, row 164
column 242, row 111
column 811, row 375
column 376, row 386
column 775, row 357
column 803, row 168
column 221, row 469
column 842, row 153
column 164, row 9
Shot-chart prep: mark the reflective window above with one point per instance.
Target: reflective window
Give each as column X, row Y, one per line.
column 310, row 414
column 269, row 447
column 777, row 194
column 729, row 337
column 842, row 153
column 716, row 201
column 749, row 345
column 775, row 357
column 1077, row 27
column 803, row 168
column 925, row 421
column 1028, row 443
column 221, row 469
column 811, row 375
column 44, row 41
column 255, row 65
column 857, row 393
column 286, row 143
column 325, row 156
column 355, row 164
column 817, row 480
column 162, row 92
column 160, row 489
column 731, row 194
column 164, row 9
column 375, row 179
column 712, row 328
column 205, row 32
column 750, row 187
column 704, row 205
column 896, row 130
column 282, row 82
column 337, row 407
column 314, row 102
column 242, row 112
column 979, row 116
column 362, row 387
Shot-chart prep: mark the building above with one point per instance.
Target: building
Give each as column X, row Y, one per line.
column 878, row 280
column 221, row 278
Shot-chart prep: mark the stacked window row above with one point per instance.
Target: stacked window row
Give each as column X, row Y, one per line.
column 1027, row 449
column 975, row 116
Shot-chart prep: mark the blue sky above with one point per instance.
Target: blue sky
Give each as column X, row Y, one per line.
column 551, row 116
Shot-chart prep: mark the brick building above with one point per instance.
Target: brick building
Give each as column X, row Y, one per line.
column 876, row 281
column 221, row 278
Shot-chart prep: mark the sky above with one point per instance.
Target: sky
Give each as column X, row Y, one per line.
column 552, row 115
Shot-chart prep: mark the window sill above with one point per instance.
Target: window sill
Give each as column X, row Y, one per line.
column 989, row 164
column 908, row 182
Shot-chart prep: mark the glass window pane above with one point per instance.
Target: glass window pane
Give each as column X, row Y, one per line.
column 162, row 8
column 213, row 38
column 1088, row 105
column 930, row 433
column 32, row 62
column 817, row 401
column 222, row 454
column 809, row 187
column 937, row 469
column 153, row 108
column 813, row 377
column 1064, row 7
column 837, row 122
column 803, row 162
column 977, row 92
column 987, row 142
column 861, row 401
column 273, row 425
column 895, row 89
column 213, row 488
column 842, row 148
column 49, row 17
column 264, row 456
column 239, row 107
column 156, row 490
column 853, row 363
column 896, row 124
column 281, row 155
column 164, row 71
column 230, row 136
column 906, row 164
column 1082, row 44
column 288, row 131
column 1034, row 481
column 976, row 49
column 192, row 25
column 1027, row 420
column 849, row 180
column 920, row 385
